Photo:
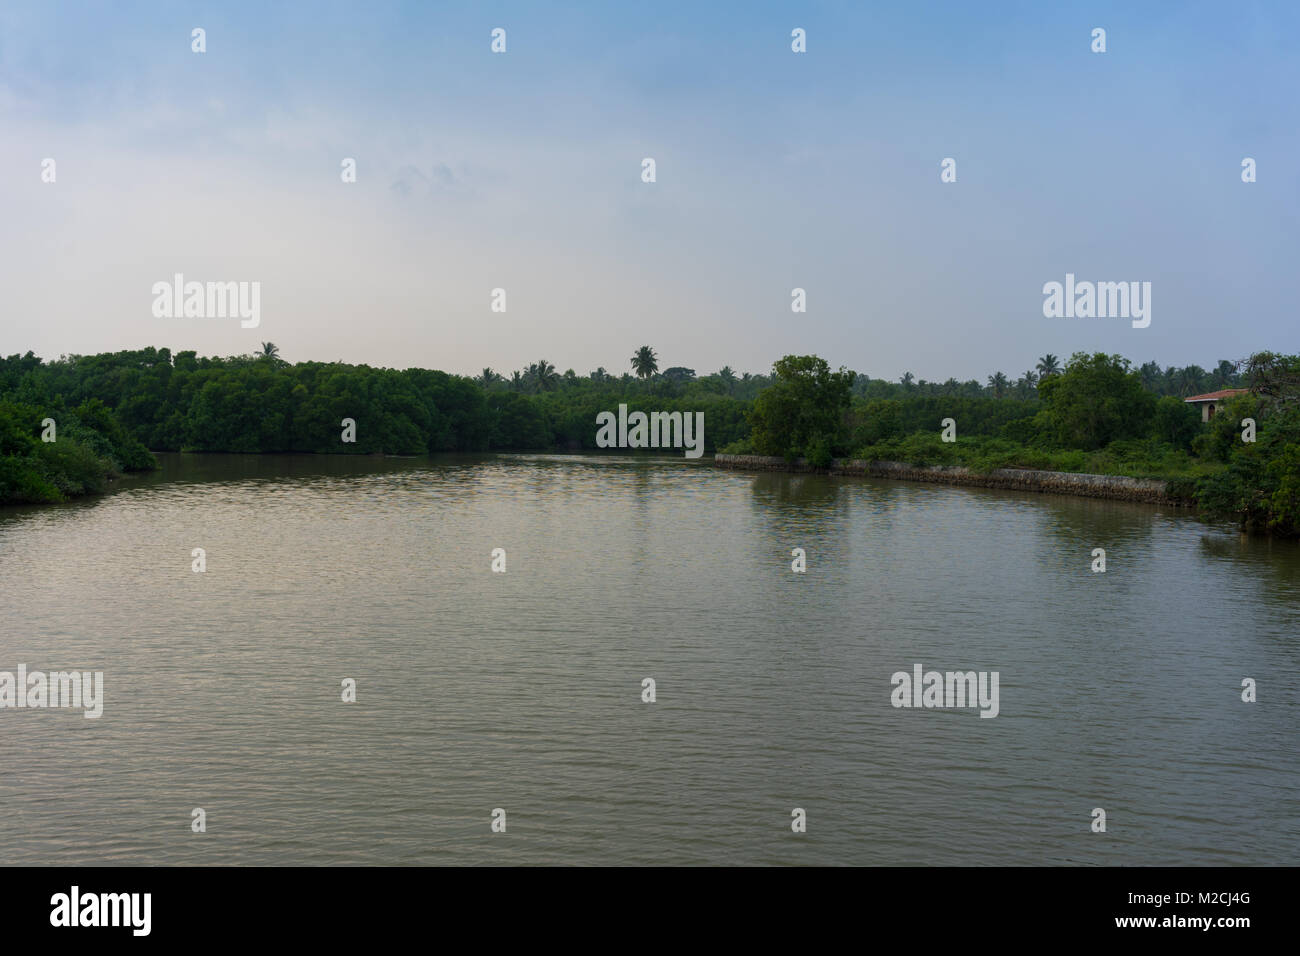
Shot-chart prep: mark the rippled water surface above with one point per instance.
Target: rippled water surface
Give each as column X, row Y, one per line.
column 523, row 690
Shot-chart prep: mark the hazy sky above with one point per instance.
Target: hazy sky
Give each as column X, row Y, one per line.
column 522, row 170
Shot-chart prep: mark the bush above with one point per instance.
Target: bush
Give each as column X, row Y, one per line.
column 819, row 454
column 1175, row 422
column 74, row 468
column 875, row 421
column 90, row 448
column 22, row 482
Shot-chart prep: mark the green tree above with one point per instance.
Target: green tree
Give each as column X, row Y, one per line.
column 1175, row 422
column 1151, row 375
column 1191, row 381
column 876, row 420
column 543, row 375
column 1098, row 399
column 1027, row 385
column 1224, row 374
column 1274, row 377
column 644, row 362
column 802, row 413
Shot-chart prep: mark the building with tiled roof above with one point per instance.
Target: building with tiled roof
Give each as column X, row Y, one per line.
column 1212, row 401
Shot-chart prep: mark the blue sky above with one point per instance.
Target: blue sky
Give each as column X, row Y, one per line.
column 775, row 170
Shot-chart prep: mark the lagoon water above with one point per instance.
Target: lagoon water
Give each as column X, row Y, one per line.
column 522, row 690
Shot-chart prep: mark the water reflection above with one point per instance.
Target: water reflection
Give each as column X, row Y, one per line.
column 522, row 689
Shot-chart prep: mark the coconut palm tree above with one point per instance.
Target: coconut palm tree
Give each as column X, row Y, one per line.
column 1189, row 380
column 998, row 382
column 1224, row 373
column 540, row 377
column 728, row 378
column 544, row 375
column 1049, row 364
column 645, row 363
column 270, row 351
column 906, row 380
column 488, row 378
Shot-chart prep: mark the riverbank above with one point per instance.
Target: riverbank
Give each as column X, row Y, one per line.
column 1116, row 487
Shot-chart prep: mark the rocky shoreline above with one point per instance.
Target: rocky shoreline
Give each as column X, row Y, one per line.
column 1116, row 487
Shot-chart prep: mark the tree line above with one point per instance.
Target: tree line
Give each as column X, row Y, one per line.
column 1098, row 414
column 1182, row 381
column 1093, row 413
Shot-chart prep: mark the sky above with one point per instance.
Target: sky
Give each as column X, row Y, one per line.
column 522, row 170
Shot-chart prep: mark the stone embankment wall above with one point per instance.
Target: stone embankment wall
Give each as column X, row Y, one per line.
column 1016, row 479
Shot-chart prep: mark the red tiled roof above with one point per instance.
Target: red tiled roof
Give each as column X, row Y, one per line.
column 1221, row 393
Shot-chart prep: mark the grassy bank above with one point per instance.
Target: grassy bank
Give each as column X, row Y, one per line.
column 1132, row 458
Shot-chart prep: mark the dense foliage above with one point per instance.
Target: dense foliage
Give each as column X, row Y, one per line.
column 1097, row 413
column 1259, row 483
column 88, row 449
column 801, row 414
column 1167, row 381
column 109, row 408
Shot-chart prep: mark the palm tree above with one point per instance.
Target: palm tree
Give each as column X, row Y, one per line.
column 544, row 375
column 728, row 378
column 1189, row 380
column 645, row 363
column 516, row 382
column 1150, row 374
column 906, row 380
column 1049, row 364
column 488, row 378
column 998, row 382
column 269, row 351
column 1224, row 373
